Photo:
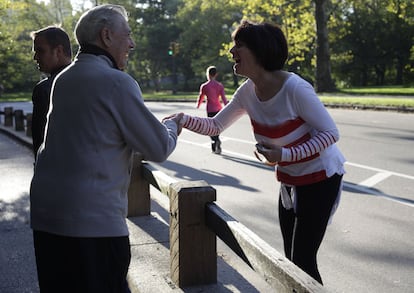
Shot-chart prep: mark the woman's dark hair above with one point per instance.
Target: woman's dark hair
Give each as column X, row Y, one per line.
column 266, row 41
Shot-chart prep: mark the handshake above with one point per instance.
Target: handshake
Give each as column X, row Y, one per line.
column 178, row 119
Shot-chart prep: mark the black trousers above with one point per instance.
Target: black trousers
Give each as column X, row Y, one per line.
column 81, row 265
column 214, row 139
column 304, row 229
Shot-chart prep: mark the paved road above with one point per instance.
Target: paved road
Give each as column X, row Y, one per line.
column 17, row 265
column 369, row 246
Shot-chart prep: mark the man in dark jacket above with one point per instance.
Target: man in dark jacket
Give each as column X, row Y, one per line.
column 52, row 52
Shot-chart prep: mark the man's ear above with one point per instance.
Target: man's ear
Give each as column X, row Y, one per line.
column 60, row 51
column 106, row 37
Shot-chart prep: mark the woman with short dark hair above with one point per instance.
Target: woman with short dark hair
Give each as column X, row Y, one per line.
column 294, row 132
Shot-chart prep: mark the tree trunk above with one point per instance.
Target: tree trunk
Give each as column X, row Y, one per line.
column 324, row 82
column 399, row 70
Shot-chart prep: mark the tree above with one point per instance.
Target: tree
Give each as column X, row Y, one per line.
column 375, row 46
column 154, row 28
column 18, row 19
column 354, row 42
column 205, row 26
column 400, row 17
column 297, row 20
column 324, row 82
column 15, row 48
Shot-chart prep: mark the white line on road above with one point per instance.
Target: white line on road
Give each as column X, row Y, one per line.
column 235, row 154
column 380, row 170
column 377, row 178
column 368, row 190
column 364, row 186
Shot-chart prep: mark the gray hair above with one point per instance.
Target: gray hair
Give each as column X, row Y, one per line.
column 91, row 23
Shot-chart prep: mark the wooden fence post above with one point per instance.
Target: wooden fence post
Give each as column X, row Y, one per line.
column 18, row 120
column 8, row 116
column 139, row 201
column 29, row 124
column 193, row 246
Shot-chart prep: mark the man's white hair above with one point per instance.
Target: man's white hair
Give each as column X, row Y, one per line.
column 91, row 23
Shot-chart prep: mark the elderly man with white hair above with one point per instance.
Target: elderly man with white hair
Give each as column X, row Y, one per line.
column 79, row 189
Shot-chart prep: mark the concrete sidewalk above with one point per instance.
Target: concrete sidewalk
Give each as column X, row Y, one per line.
column 149, row 237
column 149, row 269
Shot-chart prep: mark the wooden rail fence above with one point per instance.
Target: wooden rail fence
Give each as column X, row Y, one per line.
column 195, row 218
column 18, row 121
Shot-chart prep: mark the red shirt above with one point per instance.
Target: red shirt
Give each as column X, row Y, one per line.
column 213, row 90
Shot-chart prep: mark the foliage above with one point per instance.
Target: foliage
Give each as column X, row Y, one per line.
column 12, row 40
column 205, row 26
column 296, row 19
column 374, row 48
column 154, row 27
column 371, row 42
column 19, row 71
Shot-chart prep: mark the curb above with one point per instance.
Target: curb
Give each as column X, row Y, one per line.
column 21, row 138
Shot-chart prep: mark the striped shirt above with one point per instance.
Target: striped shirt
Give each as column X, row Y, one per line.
column 294, row 119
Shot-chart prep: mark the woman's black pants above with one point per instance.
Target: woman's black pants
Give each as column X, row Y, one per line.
column 304, row 229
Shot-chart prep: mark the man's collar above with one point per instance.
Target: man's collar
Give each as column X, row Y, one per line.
column 95, row 50
column 55, row 72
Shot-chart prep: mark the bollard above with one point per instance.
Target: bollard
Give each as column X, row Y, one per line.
column 193, row 246
column 139, row 201
column 29, row 124
column 19, row 120
column 8, row 116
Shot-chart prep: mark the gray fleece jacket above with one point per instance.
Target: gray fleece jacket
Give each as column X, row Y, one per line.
column 97, row 119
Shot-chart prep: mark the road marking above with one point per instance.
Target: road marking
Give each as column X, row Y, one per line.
column 380, row 170
column 374, row 180
column 364, row 186
column 223, row 151
column 368, row 190
column 225, row 138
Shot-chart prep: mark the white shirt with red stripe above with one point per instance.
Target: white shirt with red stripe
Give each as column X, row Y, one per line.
column 294, row 119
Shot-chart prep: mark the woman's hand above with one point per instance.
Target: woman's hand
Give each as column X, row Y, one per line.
column 272, row 154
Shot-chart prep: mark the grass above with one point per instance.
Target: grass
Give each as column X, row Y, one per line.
column 391, row 96
column 356, row 100
column 389, row 90
column 187, row 96
column 16, row 97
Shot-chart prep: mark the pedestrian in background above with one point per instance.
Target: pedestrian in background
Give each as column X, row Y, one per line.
column 52, row 53
column 294, row 132
column 213, row 90
column 78, row 193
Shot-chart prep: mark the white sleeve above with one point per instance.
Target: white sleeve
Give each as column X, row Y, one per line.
column 313, row 112
column 204, row 126
column 140, row 129
column 213, row 126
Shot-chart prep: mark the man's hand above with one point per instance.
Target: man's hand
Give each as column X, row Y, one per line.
column 177, row 119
